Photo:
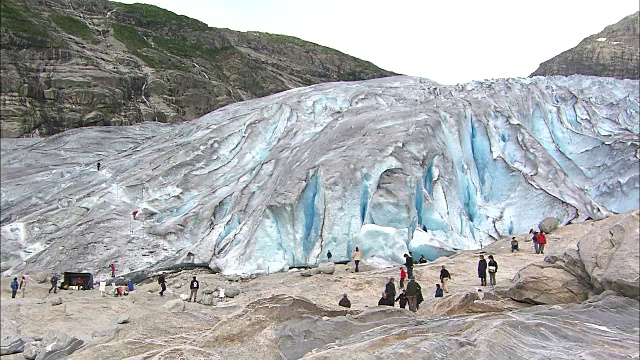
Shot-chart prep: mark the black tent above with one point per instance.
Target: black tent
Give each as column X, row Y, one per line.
column 71, row 279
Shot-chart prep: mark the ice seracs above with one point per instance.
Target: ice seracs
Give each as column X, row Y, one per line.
column 388, row 165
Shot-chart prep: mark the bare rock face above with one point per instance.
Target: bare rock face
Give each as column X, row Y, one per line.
column 612, row 53
column 56, row 345
column 176, row 305
column 544, row 284
column 548, row 225
column 11, row 345
column 467, row 302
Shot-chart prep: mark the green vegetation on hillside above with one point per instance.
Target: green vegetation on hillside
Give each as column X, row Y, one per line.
column 19, row 19
column 129, row 36
column 74, row 26
column 149, row 17
column 182, row 47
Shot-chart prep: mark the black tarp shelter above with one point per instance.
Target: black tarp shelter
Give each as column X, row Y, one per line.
column 71, row 279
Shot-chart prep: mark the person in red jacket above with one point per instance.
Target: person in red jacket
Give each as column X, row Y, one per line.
column 403, row 277
column 542, row 241
column 113, row 270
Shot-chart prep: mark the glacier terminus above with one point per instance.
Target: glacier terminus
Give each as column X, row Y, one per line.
column 389, row 165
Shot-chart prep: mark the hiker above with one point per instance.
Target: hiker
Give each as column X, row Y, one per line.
column 163, row 285
column 542, row 241
column 413, row 289
column 80, row 283
column 357, row 256
column 195, row 285
column 329, row 255
column 54, row 284
column 113, row 270
column 344, row 302
column 409, row 264
column 103, row 287
column 14, row 287
column 23, row 285
column 493, row 269
column 98, row 166
column 514, row 244
column 422, row 260
column 444, row 278
column 403, row 277
column 402, row 299
column 385, row 300
column 390, row 289
column 534, row 238
column 482, row 271
column 439, row 292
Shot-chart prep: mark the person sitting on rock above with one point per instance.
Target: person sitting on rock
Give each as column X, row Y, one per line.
column 439, row 292
column 514, row 245
column 344, row 302
column 402, row 299
column 422, row 260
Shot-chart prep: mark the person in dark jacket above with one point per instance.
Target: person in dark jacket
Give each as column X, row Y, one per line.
column 54, row 284
column 422, row 260
column 413, row 289
column 534, row 238
column 14, row 287
column 402, row 299
column 329, row 255
column 482, row 271
column 344, row 302
column 444, row 278
column 409, row 264
column 194, row 286
column 390, row 289
column 493, row 269
column 385, row 300
column 163, row 284
column 439, row 292
column 514, row 245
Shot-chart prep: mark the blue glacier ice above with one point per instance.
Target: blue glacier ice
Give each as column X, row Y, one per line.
column 389, row 165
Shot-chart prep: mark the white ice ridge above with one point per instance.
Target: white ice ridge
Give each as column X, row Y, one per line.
column 389, row 165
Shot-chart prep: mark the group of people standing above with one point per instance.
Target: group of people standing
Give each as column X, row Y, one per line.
column 411, row 296
column 15, row 286
column 491, row 267
column 539, row 241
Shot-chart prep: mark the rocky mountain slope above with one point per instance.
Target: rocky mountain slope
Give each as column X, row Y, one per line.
column 68, row 64
column 614, row 52
column 581, row 303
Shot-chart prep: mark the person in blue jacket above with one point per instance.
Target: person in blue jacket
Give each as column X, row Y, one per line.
column 14, row 287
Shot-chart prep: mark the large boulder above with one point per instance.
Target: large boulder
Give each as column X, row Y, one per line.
column 327, row 267
column 548, row 225
column 231, row 291
column 56, row 345
column 176, row 305
column 545, row 284
column 11, row 345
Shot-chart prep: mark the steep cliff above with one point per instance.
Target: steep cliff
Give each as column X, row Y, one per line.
column 614, row 52
column 68, row 64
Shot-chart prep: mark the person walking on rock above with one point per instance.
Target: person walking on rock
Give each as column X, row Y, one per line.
column 163, row 284
column 413, row 289
column 408, row 263
column 54, row 284
column 534, row 238
column 23, row 285
column 403, row 277
column 390, row 289
column 357, row 256
column 344, row 302
column 329, row 255
column 542, row 241
column 14, row 287
column 444, row 278
column 195, row 285
column 113, row 270
column 493, row 269
column 402, row 299
column 482, row 271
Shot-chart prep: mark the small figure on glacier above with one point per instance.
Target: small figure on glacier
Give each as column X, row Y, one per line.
column 402, row 299
column 482, row 271
column 98, row 166
column 54, row 284
column 163, row 284
column 514, row 245
column 329, row 255
column 23, row 285
column 422, row 260
column 403, row 277
column 14, row 287
column 542, row 241
column 344, row 302
column 113, row 270
column 493, row 269
column 357, row 256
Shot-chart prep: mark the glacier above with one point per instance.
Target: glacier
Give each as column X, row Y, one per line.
column 389, row 165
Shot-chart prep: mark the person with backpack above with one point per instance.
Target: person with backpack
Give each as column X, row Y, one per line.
column 195, row 285
column 390, row 289
column 163, row 285
column 413, row 289
column 402, row 299
column 408, row 263
column 444, row 278
column 542, row 241
column 534, row 238
column 14, row 288
column 493, row 269
column 345, row 302
column 54, row 284
column 482, row 271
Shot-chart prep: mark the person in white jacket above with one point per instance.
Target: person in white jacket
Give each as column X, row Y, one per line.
column 357, row 256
